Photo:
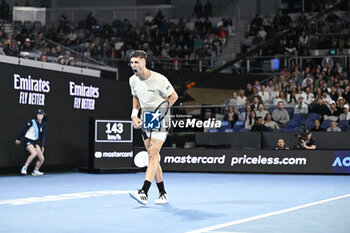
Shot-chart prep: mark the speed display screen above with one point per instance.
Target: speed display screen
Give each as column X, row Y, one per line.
column 111, row 143
column 113, row 131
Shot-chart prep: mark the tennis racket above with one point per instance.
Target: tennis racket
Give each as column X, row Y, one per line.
column 162, row 109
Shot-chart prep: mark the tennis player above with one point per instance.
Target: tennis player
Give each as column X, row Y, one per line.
column 149, row 89
column 32, row 131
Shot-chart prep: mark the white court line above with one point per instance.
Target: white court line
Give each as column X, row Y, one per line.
column 61, row 197
column 215, row 227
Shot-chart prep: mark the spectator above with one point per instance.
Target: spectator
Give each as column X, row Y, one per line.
column 310, row 142
column 282, row 82
column 197, row 9
column 281, row 145
column 307, row 81
column 326, row 97
column 264, row 94
column 249, row 90
column 327, row 61
column 261, row 112
column 280, row 115
column 4, row 10
column 234, row 101
column 223, row 35
column 244, row 115
column 43, row 57
column 250, row 121
column 255, row 103
column 317, row 126
column 90, row 21
column 231, row 115
column 285, row 73
column 346, row 93
column 332, row 112
column 27, row 46
column 301, row 107
column 71, row 61
column 25, row 55
column 276, row 92
column 11, row 46
column 308, row 96
column 257, row 85
column 333, row 127
column 302, row 18
column 262, row 33
column 304, row 39
column 246, row 43
column 208, row 9
column 280, row 98
column 267, row 21
column 230, row 28
column 270, row 87
column 269, row 122
column 253, row 95
column 242, row 99
column 331, row 18
column 340, row 104
column 61, row 60
column 319, row 107
column 258, row 126
column 285, row 20
column 345, row 116
column 292, row 97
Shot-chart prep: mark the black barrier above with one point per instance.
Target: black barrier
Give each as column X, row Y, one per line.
column 68, row 99
column 243, row 140
column 324, row 140
column 268, row 140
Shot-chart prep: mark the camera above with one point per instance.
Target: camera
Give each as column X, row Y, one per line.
column 299, row 144
column 301, row 137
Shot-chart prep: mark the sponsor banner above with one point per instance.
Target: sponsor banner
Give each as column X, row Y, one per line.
column 84, row 95
column 341, row 163
column 68, row 100
column 31, row 90
column 264, row 161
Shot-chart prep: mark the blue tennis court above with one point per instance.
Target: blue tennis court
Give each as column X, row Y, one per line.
column 199, row 202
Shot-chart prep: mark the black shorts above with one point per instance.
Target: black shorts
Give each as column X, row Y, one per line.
column 27, row 142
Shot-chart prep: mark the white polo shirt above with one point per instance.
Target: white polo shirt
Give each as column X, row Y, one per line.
column 152, row 91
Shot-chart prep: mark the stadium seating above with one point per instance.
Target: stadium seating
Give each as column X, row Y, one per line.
column 326, row 124
column 299, row 117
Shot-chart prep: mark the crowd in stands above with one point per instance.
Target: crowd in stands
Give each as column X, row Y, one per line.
column 316, row 99
column 331, row 32
column 182, row 41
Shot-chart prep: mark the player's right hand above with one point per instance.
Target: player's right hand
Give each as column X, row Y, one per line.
column 17, row 142
column 136, row 122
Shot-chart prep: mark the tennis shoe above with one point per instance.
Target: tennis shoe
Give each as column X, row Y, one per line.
column 37, row 173
column 140, row 196
column 162, row 199
column 24, row 170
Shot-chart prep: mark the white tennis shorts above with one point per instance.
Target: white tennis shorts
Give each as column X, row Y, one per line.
column 157, row 135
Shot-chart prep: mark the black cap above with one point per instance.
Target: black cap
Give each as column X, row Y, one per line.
column 307, row 132
column 40, row 111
